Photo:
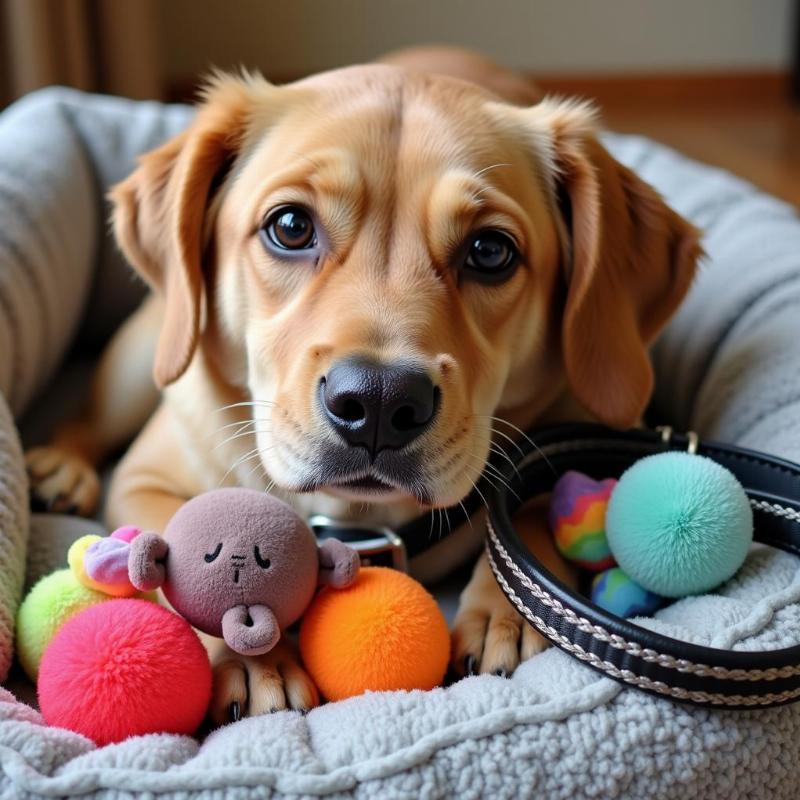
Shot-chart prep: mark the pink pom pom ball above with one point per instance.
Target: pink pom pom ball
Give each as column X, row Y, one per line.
column 125, row 668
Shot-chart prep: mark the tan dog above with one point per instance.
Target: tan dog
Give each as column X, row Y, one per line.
column 364, row 282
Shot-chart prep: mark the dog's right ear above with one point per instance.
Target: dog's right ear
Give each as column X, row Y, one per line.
column 159, row 212
column 628, row 260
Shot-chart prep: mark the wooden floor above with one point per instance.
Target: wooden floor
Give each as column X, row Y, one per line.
column 741, row 121
column 758, row 141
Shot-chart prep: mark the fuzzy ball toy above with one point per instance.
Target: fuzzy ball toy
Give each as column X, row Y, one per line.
column 679, row 524
column 614, row 591
column 239, row 564
column 125, row 668
column 577, row 518
column 50, row 603
column 382, row 633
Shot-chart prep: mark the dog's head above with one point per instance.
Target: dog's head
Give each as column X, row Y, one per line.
column 389, row 264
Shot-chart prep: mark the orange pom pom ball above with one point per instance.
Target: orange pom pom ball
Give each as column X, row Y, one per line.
column 382, row 633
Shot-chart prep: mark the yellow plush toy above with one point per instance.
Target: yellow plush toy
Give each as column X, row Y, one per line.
column 77, row 562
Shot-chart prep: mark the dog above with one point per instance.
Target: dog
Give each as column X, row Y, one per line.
column 363, row 283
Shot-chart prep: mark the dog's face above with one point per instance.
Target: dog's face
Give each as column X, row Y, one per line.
column 390, row 264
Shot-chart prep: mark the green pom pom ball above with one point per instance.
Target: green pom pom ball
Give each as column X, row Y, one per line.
column 679, row 524
column 51, row 602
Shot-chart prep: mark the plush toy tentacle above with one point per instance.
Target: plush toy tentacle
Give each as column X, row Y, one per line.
column 146, row 568
column 338, row 564
column 250, row 631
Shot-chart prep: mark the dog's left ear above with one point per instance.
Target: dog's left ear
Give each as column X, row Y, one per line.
column 159, row 213
column 630, row 263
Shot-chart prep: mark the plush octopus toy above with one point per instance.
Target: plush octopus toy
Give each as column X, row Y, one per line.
column 239, row 564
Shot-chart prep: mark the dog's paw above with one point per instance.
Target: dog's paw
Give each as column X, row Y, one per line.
column 246, row 686
column 61, row 481
column 489, row 635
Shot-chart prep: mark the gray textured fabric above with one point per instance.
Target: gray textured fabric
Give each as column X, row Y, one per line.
column 727, row 366
column 555, row 729
column 47, row 243
column 60, row 151
column 13, row 532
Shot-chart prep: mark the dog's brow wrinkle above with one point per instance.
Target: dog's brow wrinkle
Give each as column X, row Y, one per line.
column 397, row 131
column 308, row 158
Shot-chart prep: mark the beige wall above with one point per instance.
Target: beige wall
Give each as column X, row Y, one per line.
column 286, row 38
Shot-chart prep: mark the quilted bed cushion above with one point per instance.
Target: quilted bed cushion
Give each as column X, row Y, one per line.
column 728, row 366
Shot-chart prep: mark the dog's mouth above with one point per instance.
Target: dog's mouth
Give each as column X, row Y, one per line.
column 369, row 483
column 391, row 479
column 352, row 474
column 369, row 487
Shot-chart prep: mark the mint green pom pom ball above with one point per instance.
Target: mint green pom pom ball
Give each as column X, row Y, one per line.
column 679, row 524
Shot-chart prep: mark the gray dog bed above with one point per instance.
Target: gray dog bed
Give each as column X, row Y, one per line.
column 728, row 367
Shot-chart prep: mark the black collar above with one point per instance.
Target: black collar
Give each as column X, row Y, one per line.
column 394, row 547
column 616, row 647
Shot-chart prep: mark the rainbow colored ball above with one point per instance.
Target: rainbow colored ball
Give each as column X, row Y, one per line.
column 125, row 668
column 614, row 591
column 577, row 518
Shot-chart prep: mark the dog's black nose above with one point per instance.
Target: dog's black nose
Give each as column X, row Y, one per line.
column 377, row 406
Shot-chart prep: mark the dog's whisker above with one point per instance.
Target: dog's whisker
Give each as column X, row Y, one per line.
column 495, row 448
column 511, row 441
column 496, row 472
column 495, row 477
column 248, row 404
column 239, row 424
column 258, row 465
column 490, row 168
column 241, row 435
column 489, row 481
column 239, row 462
column 527, row 439
column 466, row 515
column 480, row 494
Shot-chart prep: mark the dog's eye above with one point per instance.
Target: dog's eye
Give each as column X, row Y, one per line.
column 290, row 228
column 262, row 562
column 209, row 557
column 491, row 255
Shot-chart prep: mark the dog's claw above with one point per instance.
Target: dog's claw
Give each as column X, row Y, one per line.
column 235, row 711
column 501, row 673
column 54, row 501
column 37, row 504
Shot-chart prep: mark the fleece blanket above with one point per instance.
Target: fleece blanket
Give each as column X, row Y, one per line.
column 727, row 367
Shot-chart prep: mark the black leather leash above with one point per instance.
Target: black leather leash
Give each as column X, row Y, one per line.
column 615, row 646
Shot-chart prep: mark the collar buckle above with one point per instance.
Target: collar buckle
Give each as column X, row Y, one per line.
column 376, row 546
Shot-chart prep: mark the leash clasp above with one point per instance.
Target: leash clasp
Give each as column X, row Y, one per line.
column 692, row 439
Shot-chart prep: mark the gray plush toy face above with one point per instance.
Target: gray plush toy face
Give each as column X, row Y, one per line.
column 240, row 564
